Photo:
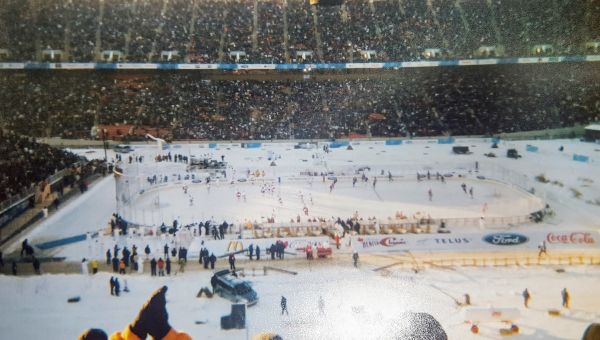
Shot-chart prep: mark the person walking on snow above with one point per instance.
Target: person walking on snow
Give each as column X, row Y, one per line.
column 181, row 265
column 36, row 265
column 251, row 251
column 122, row 266
column 284, row 306
column 84, row 267
column 153, row 267
column 542, row 248
column 117, row 287
column 526, row 298
column 355, row 258
column 430, row 193
column 112, row 285
column 232, row 262
column 566, row 298
column 161, row 267
column 108, row 257
column 212, row 260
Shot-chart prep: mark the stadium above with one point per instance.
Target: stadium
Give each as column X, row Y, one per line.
column 384, row 169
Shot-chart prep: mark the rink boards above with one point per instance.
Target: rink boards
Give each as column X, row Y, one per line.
column 476, row 242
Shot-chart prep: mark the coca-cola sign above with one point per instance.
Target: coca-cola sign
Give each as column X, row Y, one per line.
column 570, row 238
column 505, row 239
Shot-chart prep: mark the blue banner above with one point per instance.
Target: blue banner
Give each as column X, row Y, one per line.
column 61, row 242
column 448, row 140
column 251, row 145
column 334, row 145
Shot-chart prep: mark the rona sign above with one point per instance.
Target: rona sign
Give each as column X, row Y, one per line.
column 505, row 239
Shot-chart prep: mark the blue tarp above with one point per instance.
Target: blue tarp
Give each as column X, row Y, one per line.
column 393, row 142
column 212, row 145
column 531, row 148
column 581, row 158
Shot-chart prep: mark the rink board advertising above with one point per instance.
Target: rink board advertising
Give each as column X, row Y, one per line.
column 481, row 241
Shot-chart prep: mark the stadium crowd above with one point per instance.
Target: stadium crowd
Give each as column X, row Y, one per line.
column 410, row 102
column 278, row 31
column 25, row 162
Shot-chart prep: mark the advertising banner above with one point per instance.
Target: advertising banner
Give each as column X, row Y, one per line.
column 293, row 245
column 480, row 241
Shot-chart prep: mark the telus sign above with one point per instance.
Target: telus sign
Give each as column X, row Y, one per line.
column 505, row 239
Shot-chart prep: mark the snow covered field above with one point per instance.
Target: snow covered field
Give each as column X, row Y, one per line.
column 359, row 302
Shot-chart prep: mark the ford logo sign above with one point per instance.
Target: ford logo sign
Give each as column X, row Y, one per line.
column 505, row 239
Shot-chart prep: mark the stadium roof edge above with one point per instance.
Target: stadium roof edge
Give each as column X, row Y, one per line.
column 318, row 66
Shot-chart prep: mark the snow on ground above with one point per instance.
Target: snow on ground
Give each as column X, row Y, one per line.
column 359, row 304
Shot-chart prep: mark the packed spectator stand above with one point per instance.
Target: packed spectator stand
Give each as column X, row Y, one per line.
column 281, row 31
column 25, row 163
column 482, row 100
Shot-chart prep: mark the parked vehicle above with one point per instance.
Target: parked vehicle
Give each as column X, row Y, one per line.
column 230, row 287
column 122, row 148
